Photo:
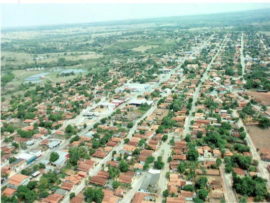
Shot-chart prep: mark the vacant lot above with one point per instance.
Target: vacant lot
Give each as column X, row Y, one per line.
column 144, row 48
column 266, row 33
column 262, row 97
column 260, row 137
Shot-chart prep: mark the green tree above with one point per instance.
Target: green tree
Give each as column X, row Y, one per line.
column 188, row 188
column 32, row 185
column 115, row 184
column 159, row 164
column 54, row 156
column 74, row 156
column 218, row 162
column 201, row 183
column 113, row 172
column 243, row 187
column 164, row 138
column 192, row 154
column 93, row 195
column 25, row 194
column 123, row 166
column 130, row 125
column 202, row 194
column 71, row 195
column 181, row 167
column 264, row 122
column 70, row 129
column 165, row 193
column 5, row 199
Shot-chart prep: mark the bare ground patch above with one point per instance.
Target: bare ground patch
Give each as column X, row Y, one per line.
column 262, row 97
column 260, row 137
column 144, row 48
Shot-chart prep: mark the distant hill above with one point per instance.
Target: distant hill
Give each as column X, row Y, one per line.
column 241, row 18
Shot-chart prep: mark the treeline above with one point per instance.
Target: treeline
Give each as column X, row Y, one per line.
column 60, row 62
column 7, row 77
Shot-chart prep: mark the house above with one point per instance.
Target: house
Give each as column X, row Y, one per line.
column 126, row 177
column 17, row 180
column 119, row 192
column 5, row 170
column 53, row 143
column 78, row 199
column 113, row 163
column 53, row 198
column 175, row 199
column 175, row 183
column 239, row 171
column 28, row 128
column 85, row 165
column 174, row 165
column 70, row 182
column 179, row 157
column 100, row 179
column 138, row 166
column 99, row 154
column 18, row 165
column 67, row 186
column 8, row 192
column 141, row 197
column 187, row 195
column 265, row 154
column 109, row 196
column 216, row 152
column 138, row 102
column 128, row 149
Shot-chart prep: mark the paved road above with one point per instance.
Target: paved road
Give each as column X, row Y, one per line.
column 136, row 184
column 242, row 57
column 229, row 194
column 165, row 151
column 262, row 42
column 186, row 130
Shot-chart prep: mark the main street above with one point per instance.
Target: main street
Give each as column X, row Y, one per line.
column 186, row 130
column 229, row 194
column 242, row 57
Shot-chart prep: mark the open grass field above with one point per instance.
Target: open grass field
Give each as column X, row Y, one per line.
column 266, row 33
column 144, row 48
column 260, row 137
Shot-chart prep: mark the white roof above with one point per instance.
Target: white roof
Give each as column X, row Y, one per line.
column 139, row 101
column 154, row 171
column 54, row 143
column 30, row 142
column 25, row 156
column 36, row 173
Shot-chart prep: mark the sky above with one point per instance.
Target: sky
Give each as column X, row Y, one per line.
column 18, row 15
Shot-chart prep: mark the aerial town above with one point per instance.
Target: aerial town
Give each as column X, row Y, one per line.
column 143, row 112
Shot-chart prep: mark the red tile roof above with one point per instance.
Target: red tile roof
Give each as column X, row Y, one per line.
column 8, row 192
column 54, row 198
column 17, row 179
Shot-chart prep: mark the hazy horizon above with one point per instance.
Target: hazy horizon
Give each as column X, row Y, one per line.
column 25, row 15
